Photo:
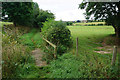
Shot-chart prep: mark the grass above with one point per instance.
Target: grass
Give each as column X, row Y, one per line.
column 90, row 35
column 87, row 64
column 32, row 39
column 5, row 23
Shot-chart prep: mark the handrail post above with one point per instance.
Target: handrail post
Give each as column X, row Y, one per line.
column 55, row 52
column 114, row 55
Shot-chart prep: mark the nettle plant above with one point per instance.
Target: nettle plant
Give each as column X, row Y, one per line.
column 57, row 33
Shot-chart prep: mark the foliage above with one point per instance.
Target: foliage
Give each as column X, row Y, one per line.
column 87, row 64
column 13, row 54
column 18, row 12
column 32, row 39
column 43, row 16
column 69, row 23
column 69, row 66
column 110, row 12
column 28, row 71
column 40, row 16
column 16, row 56
column 35, row 15
column 57, row 33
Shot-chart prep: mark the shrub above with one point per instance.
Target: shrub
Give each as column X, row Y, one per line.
column 61, row 49
column 57, row 33
column 100, row 24
column 69, row 23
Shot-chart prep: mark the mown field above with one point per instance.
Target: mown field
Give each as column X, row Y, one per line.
column 88, row 63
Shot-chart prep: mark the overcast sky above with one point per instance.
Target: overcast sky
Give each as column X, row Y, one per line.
column 66, row 10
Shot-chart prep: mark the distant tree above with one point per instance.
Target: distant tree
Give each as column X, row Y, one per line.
column 25, row 13
column 69, row 23
column 35, row 15
column 40, row 16
column 78, row 21
column 18, row 12
column 108, row 11
column 44, row 16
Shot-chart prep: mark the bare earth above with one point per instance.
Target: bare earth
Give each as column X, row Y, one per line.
column 38, row 54
column 106, row 49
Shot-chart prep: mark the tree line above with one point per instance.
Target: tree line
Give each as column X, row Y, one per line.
column 25, row 13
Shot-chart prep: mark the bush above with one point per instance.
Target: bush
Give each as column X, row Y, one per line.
column 57, row 33
column 61, row 49
column 69, row 23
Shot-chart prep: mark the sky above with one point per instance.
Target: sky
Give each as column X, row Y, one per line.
column 66, row 10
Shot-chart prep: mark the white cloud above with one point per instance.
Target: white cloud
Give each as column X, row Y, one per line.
column 63, row 9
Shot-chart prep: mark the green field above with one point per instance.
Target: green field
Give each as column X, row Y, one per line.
column 5, row 23
column 90, row 35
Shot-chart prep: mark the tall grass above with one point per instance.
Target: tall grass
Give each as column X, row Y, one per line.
column 15, row 56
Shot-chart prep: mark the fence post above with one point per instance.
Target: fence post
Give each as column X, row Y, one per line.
column 55, row 52
column 114, row 55
column 77, row 46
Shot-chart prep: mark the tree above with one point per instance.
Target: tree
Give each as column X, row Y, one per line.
column 25, row 13
column 40, row 16
column 44, row 16
column 35, row 15
column 18, row 12
column 108, row 11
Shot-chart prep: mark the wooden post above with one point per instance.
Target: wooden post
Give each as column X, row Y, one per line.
column 114, row 55
column 55, row 52
column 77, row 46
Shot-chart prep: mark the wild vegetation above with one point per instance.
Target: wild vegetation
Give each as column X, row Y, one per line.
column 95, row 45
column 87, row 64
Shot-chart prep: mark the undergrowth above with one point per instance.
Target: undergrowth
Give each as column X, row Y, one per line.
column 17, row 61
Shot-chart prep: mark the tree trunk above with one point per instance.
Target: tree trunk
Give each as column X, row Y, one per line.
column 115, row 29
column 118, row 32
column 118, row 36
column 15, row 24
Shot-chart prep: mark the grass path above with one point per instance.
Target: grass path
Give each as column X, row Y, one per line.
column 34, row 41
column 38, row 54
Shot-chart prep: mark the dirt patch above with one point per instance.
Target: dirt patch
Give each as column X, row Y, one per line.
column 38, row 54
column 104, row 50
column 107, row 44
